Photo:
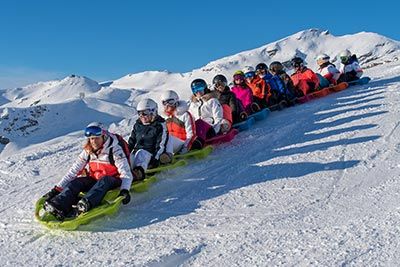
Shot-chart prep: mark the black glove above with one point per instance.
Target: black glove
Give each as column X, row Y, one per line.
column 52, row 193
column 126, row 195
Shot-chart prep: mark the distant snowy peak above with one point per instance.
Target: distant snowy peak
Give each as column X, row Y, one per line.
column 145, row 79
column 55, row 91
column 372, row 49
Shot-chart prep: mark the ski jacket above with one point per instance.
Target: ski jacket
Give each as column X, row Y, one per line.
column 229, row 98
column 99, row 164
column 352, row 66
column 207, row 108
column 151, row 137
column 329, row 72
column 181, row 124
column 244, row 95
column 259, row 88
column 305, row 80
column 287, row 82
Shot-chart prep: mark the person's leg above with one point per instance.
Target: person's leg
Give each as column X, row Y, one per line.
column 70, row 194
column 140, row 162
column 96, row 194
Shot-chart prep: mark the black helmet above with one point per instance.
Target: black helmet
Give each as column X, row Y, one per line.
column 220, row 79
column 261, row 66
column 276, row 67
column 297, row 62
column 198, row 85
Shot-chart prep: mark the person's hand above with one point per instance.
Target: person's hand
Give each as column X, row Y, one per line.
column 127, row 196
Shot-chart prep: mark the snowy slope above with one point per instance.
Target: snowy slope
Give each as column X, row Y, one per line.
column 316, row 184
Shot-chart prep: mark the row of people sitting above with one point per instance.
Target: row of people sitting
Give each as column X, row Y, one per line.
column 111, row 162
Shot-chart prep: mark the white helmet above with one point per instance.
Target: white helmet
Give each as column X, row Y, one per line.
column 248, row 69
column 147, row 104
column 345, row 53
column 169, row 97
column 322, row 58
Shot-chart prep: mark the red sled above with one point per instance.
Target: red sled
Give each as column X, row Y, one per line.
column 338, row 87
column 320, row 93
column 223, row 138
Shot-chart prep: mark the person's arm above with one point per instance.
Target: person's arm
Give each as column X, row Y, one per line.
column 132, row 139
column 190, row 129
column 162, row 138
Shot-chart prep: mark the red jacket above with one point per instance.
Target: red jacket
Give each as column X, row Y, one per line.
column 305, row 80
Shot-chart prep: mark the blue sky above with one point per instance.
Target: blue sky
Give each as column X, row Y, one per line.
column 104, row 40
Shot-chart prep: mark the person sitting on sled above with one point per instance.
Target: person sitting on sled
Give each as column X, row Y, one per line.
column 327, row 72
column 261, row 90
column 233, row 109
column 207, row 111
column 101, row 176
column 304, row 79
column 148, row 139
column 242, row 92
column 180, row 124
column 283, row 82
column 350, row 69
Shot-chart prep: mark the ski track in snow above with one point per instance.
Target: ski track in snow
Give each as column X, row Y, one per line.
column 324, row 191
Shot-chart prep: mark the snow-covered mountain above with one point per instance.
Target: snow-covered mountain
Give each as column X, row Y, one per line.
column 372, row 49
column 315, row 184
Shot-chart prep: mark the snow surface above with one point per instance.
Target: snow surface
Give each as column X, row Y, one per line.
column 315, row 184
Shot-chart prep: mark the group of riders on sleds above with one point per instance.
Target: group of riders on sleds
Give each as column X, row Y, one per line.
column 108, row 162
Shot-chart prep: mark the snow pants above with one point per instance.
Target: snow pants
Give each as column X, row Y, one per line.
column 96, row 190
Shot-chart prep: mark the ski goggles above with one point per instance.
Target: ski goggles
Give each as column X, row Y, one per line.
column 93, row 131
column 344, row 59
column 144, row 113
column 169, row 102
column 198, row 88
column 250, row 74
column 238, row 77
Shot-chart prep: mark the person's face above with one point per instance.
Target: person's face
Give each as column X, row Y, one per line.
column 169, row 109
column 199, row 94
column 261, row 73
column 219, row 86
column 96, row 142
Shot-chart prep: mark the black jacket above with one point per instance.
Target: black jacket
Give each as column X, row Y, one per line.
column 152, row 137
column 227, row 97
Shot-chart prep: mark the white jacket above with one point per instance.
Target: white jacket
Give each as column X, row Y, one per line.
column 350, row 67
column 183, row 119
column 209, row 109
column 329, row 72
column 101, row 164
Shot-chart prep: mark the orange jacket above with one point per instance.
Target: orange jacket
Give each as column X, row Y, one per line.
column 259, row 88
column 182, row 126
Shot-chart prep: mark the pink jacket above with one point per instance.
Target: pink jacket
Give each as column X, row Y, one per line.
column 244, row 95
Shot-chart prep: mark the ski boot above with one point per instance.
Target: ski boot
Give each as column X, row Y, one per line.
column 50, row 208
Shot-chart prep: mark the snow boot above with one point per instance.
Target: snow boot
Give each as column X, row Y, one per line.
column 50, row 208
column 83, row 205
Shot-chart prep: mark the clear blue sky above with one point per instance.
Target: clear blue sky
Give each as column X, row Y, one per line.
column 109, row 39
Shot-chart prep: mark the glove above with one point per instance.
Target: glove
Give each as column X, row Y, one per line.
column 52, row 193
column 127, row 197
